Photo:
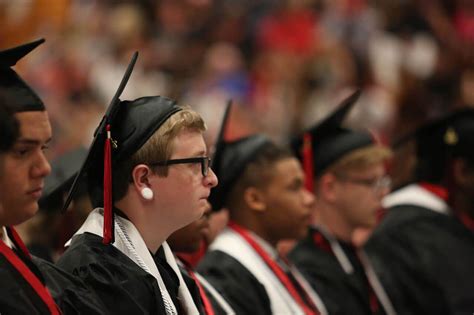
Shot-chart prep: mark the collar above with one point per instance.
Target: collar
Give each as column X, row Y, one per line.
column 266, row 246
column 5, row 238
column 416, row 195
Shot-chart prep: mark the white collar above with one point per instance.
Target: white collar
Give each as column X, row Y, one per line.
column 6, row 239
column 415, row 195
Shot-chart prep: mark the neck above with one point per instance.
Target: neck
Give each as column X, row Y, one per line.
column 154, row 232
column 330, row 218
column 258, row 228
column 463, row 203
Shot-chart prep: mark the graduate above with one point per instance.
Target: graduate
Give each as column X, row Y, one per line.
column 29, row 285
column 148, row 174
column 423, row 250
column 262, row 186
column 349, row 180
column 187, row 241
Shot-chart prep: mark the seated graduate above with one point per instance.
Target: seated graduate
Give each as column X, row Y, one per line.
column 189, row 240
column 28, row 286
column 262, row 186
column 148, row 174
column 423, row 250
column 43, row 232
column 348, row 177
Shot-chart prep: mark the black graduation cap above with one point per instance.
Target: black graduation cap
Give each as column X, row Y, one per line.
column 230, row 160
column 13, row 90
column 125, row 128
column 9, row 128
column 441, row 139
column 328, row 140
column 57, row 184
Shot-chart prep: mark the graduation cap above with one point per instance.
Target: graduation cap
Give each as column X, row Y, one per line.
column 327, row 141
column 13, row 90
column 441, row 139
column 230, row 160
column 124, row 129
column 58, row 182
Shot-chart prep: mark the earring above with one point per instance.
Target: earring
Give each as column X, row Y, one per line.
column 147, row 193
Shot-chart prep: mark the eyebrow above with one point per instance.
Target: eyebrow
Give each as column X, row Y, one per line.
column 32, row 141
column 200, row 153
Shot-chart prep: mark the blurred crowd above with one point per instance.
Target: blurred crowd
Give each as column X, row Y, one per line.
column 285, row 63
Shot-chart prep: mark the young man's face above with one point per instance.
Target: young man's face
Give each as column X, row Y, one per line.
column 359, row 193
column 24, row 168
column 182, row 195
column 288, row 203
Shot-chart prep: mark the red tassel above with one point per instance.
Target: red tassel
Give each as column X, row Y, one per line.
column 108, row 235
column 307, row 153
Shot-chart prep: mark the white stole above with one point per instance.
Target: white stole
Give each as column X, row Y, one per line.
column 231, row 243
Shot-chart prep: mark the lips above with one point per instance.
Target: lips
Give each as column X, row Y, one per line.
column 36, row 193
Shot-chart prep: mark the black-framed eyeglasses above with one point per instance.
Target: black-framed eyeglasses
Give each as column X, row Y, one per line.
column 377, row 184
column 205, row 162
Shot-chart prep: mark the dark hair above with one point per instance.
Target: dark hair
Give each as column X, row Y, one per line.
column 258, row 172
column 9, row 129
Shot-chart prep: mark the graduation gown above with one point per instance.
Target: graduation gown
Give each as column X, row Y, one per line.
column 195, row 283
column 424, row 255
column 125, row 275
column 243, row 279
column 69, row 293
column 340, row 280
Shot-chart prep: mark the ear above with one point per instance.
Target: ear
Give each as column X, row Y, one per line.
column 254, row 198
column 140, row 176
column 327, row 187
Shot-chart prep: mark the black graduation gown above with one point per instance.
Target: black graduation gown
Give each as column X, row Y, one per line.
column 194, row 289
column 425, row 260
column 16, row 294
column 69, row 293
column 342, row 293
column 121, row 284
column 244, row 293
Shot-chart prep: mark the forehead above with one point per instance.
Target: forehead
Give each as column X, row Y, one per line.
column 287, row 169
column 374, row 169
column 34, row 125
column 189, row 142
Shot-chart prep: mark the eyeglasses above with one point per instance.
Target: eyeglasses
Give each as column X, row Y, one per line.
column 377, row 184
column 204, row 160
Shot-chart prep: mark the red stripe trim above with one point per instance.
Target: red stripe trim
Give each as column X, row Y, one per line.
column 30, row 277
column 205, row 300
column 277, row 270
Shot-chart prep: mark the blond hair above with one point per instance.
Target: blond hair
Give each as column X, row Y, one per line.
column 159, row 147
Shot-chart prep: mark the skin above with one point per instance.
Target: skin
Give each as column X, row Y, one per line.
column 281, row 209
column 24, row 168
column 345, row 205
column 178, row 199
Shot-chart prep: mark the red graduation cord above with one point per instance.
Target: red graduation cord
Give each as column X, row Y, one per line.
column 277, row 270
column 26, row 273
column 205, row 300
column 108, row 234
column 307, row 153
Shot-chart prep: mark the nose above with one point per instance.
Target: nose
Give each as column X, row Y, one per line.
column 308, row 198
column 41, row 168
column 211, row 179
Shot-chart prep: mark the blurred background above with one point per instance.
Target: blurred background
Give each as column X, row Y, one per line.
column 285, row 63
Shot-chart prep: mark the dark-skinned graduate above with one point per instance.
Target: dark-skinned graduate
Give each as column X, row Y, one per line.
column 262, row 186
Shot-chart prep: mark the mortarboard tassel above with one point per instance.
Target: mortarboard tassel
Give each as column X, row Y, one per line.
column 108, row 235
column 307, row 153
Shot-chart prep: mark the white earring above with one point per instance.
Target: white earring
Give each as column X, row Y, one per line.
column 147, row 193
